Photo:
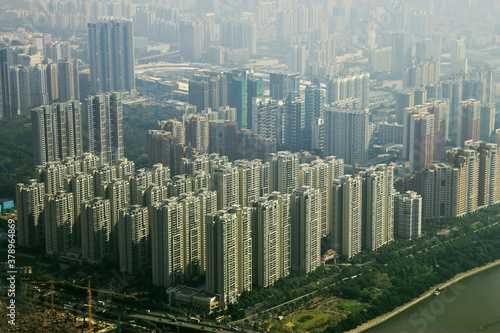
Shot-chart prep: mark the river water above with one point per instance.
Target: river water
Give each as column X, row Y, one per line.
column 470, row 305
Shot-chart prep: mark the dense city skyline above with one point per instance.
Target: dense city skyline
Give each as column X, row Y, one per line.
column 231, row 145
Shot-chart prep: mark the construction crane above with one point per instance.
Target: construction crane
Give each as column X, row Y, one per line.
column 51, row 290
column 89, row 290
column 89, row 293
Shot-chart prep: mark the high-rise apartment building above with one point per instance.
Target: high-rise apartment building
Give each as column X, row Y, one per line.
column 30, row 204
column 469, row 121
column 68, row 80
column 419, row 138
column 305, row 230
column 404, row 99
column 111, row 53
column 227, row 185
column 193, row 235
column 408, row 215
column 96, row 230
column 82, row 187
column 271, row 239
column 249, row 178
column 401, row 52
column 282, row 84
column 105, row 117
column 347, row 217
column 57, row 132
column 489, row 176
column 59, row 219
column 229, row 253
column 134, row 247
column 487, row 122
column 350, row 85
column 285, row 172
column 197, row 132
column 266, row 118
column 378, row 206
column 467, row 162
column 437, row 186
column 313, row 109
column 347, row 134
column 192, row 39
column 294, row 123
column 237, row 95
column 167, row 225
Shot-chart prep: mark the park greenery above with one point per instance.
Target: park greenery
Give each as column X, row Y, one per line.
column 138, row 119
column 16, row 154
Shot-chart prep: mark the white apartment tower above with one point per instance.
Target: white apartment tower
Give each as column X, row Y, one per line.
column 134, row 248
column 30, row 205
column 347, row 217
column 271, row 239
column 96, row 230
column 378, row 206
column 59, row 222
column 305, row 230
column 408, row 215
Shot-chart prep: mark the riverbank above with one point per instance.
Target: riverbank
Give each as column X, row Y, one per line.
column 377, row 321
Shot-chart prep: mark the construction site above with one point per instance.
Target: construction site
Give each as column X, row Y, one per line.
column 34, row 318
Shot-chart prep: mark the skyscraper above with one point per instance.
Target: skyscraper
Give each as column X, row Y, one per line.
column 347, row 217
column 314, row 109
column 227, row 186
column 96, row 230
column 271, row 239
column 467, row 162
column 192, row 39
column 305, row 230
column 105, row 117
column 68, row 80
column 282, row 84
column 229, row 253
column 167, row 243
column 197, row 132
column 237, row 95
column 59, row 222
column 294, row 123
column 249, row 178
column 378, row 206
column 350, row 85
column 57, row 132
column 198, row 94
column 404, row 99
column 469, row 121
column 285, row 172
column 487, row 121
column 134, row 247
column 401, row 52
column 489, row 176
column 30, row 205
column 419, row 138
column 111, row 52
column 255, row 89
column 347, row 134
column 408, row 215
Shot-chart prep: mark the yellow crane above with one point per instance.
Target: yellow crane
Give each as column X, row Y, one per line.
column 89, row 293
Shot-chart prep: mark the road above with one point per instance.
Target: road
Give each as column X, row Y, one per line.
column 181, row 322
